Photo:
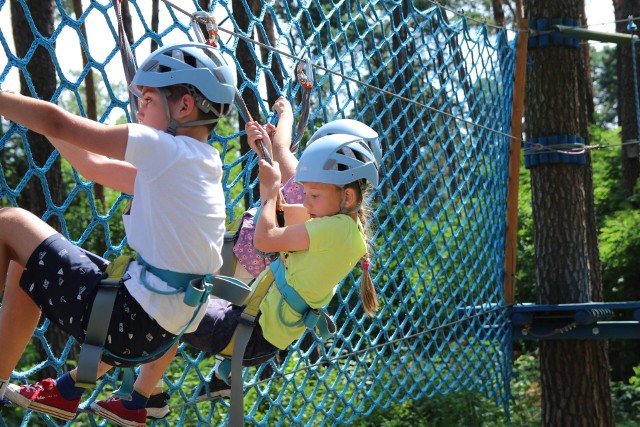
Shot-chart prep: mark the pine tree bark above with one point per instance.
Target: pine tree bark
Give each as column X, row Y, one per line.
column 245, row 54
column 43, row 76
column 90, row 95
column 574, row 374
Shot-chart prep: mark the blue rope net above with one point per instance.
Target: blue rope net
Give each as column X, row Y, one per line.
column 438, row 92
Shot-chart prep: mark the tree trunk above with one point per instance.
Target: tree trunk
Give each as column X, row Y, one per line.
column 43, row 76
column 574, row 374
column 405, row 151
column 155, row 21
column 498, row 12
column 247, row 63
column 627, row 108
column 269, row 29
column 90, row 94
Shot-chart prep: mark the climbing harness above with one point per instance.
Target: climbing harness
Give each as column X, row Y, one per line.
column 229, row 260
column 196, row 288
column 230, row 366
column 97, row 327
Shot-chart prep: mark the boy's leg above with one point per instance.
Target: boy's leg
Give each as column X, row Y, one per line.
column 20, row 234
column 59, row 398
column 13, row 277
column 133, row 412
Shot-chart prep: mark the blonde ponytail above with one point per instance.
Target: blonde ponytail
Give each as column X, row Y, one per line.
column 368, row 294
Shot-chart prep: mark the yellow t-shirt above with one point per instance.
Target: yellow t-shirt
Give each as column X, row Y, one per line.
column 336, row 244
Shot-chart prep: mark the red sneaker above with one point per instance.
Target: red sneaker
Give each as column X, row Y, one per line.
column 113, row 410
column 43, row 397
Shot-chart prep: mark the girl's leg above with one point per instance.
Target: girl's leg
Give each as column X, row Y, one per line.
column 20, row 234
column 151, row 373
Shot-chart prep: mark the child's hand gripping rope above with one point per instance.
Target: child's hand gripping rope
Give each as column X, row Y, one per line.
column 259, row 139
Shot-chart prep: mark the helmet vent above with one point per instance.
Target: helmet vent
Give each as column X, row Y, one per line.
column 177, row 54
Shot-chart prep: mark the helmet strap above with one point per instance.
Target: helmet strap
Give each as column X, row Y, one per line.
column 174, row 124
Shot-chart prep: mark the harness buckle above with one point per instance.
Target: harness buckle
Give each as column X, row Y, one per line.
column 247, row 319
column 197, row 292
column 110, row 283
column 311, row 318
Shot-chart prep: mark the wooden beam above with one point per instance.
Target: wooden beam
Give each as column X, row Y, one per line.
column 517, row 112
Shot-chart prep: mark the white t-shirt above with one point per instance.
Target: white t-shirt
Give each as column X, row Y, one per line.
column 177, row 217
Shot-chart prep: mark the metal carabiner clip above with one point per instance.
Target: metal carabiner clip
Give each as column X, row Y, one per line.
column 304, row 72
column 206, row 18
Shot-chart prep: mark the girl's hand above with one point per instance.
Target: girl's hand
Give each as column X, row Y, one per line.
column 271, row 130
column 282, row 106
column 269, row 176
column 255, row 133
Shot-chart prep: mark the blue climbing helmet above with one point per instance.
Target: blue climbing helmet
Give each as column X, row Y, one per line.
column 200, row 68
column 338, row 159
column 351, row 127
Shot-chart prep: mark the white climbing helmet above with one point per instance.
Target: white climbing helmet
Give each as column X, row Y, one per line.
column 198, row 67
column 351, row 127
column 337, row 159
column 196, row 64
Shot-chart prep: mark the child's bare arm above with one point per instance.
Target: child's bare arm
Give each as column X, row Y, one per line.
column 53, row 122
column 112, row 173
column 268, row 236
column 281, row 139
column 295, row 214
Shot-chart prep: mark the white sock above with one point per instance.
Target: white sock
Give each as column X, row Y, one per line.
column 3, row 387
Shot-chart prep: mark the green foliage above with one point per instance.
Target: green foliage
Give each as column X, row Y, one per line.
column 468, row 408
column 460, row 409
column 525, row 253
column 626, row 400
column 525, row 388
column 605, row 85
column 618, row 221
column 607, row 192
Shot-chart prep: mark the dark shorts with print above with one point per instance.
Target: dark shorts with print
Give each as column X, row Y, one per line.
column 216, row 330
column 63, row 280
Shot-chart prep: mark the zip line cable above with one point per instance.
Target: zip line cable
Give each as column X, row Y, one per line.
column 578, row 149
column 353, row 80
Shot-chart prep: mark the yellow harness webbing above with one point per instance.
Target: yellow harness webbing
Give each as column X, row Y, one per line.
column 252, row 305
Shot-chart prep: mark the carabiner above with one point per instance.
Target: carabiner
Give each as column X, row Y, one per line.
column 304, row 72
